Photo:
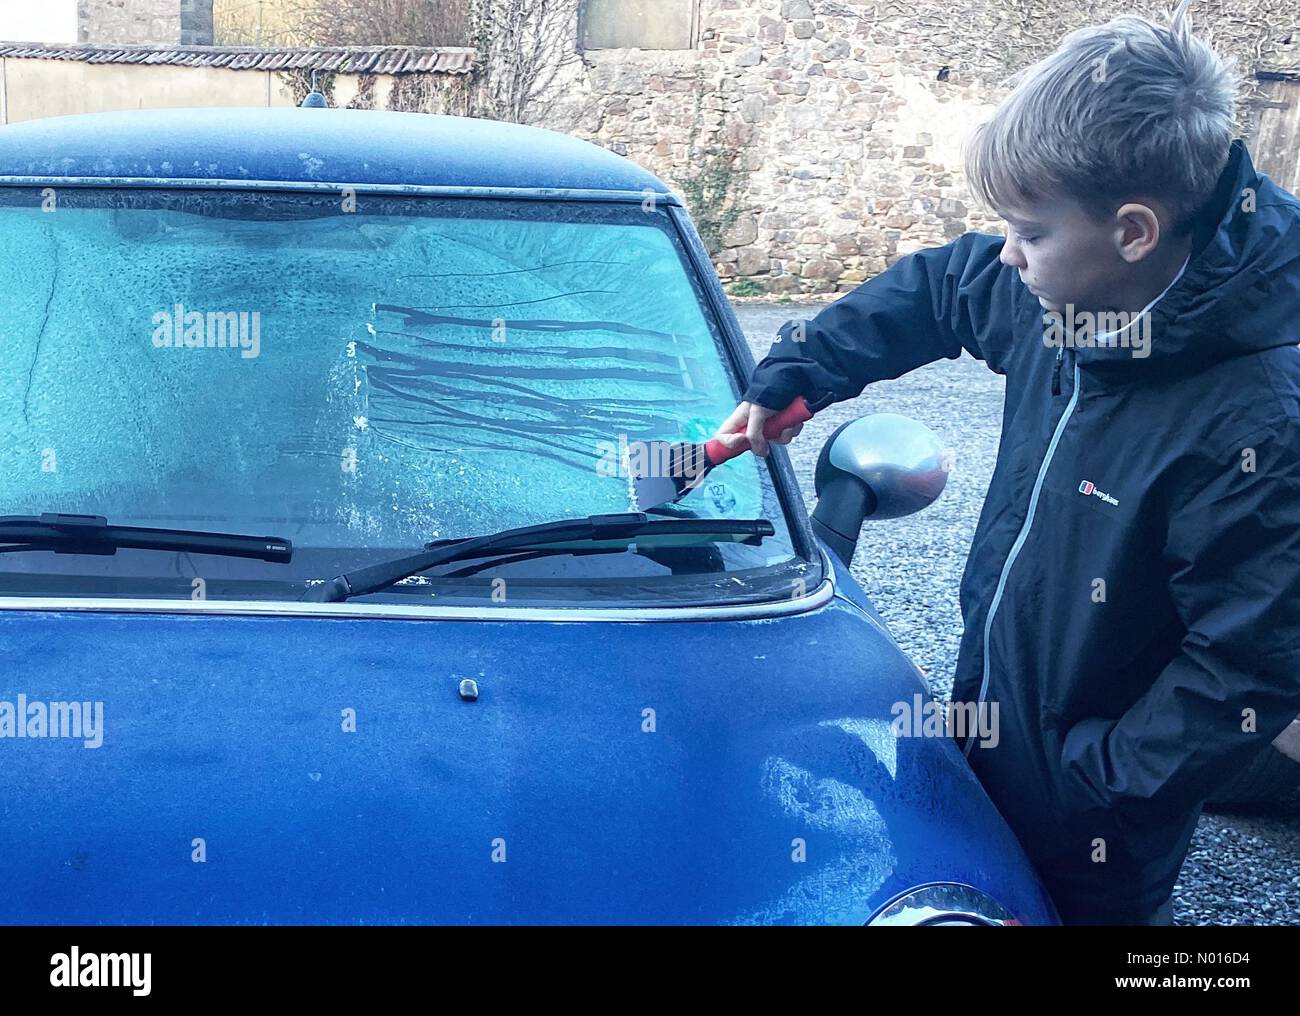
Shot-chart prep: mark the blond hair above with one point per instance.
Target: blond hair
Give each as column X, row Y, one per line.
column 1119, row 110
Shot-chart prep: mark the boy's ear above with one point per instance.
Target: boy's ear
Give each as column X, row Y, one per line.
column 1138, row 230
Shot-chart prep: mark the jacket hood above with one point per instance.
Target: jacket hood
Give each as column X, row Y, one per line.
column 1238, row 291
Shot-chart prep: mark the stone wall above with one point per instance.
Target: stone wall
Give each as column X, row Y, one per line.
column 816, row 142
column 145, row 22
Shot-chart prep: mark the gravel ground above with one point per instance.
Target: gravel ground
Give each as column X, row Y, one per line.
column 1240, row 869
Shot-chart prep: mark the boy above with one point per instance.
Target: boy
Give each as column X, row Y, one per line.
column 1131, row 598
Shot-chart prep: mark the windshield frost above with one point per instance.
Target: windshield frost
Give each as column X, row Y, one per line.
column 411, row 370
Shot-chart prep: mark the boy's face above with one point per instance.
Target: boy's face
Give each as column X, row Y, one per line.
column 1064, row 255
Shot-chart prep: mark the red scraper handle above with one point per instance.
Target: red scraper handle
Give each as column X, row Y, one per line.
column 795, row 413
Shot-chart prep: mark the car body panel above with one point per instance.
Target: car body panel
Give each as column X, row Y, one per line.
column 329, row 147
column 231, row 730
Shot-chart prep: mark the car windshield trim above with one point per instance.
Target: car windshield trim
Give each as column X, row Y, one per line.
column 575, row 194
column 817, row 596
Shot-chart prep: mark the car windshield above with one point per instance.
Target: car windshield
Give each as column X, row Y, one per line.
column 359, row 374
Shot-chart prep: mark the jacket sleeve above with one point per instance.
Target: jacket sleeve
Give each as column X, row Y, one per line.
column 1235, row 683
column 928, row 305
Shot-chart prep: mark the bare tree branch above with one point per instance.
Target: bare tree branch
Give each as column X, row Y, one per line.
column 524, row 45
column 381, row 22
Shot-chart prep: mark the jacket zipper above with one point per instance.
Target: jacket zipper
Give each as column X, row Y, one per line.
column 1056, row 373
column 1015, row 548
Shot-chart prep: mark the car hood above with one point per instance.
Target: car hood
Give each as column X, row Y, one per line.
column 737, row 771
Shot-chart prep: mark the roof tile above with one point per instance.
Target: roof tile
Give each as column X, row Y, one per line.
column 343, row 59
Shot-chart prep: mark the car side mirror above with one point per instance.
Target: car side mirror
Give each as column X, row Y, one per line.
column 881, row 466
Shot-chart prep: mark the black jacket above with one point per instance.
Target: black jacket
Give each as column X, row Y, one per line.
column 1131, row 598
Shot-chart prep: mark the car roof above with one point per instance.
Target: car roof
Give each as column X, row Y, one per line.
column 314, row 147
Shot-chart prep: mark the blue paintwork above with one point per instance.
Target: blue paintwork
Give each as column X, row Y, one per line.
column 345, row 146
column 229, row 729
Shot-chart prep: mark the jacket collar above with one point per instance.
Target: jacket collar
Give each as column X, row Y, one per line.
column 1244, row 265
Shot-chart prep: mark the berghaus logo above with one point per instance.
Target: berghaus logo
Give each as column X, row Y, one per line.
column 1086, row 487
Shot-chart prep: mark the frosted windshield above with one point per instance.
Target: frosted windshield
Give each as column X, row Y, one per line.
column 408, row 370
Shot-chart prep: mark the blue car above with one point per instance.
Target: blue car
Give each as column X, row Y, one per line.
column 326, row 595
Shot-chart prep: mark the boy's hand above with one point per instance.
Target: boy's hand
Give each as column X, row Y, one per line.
column 746, row 424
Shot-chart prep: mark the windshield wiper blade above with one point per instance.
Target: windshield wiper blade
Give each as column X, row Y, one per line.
column 91, row 534
column 615, row 531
